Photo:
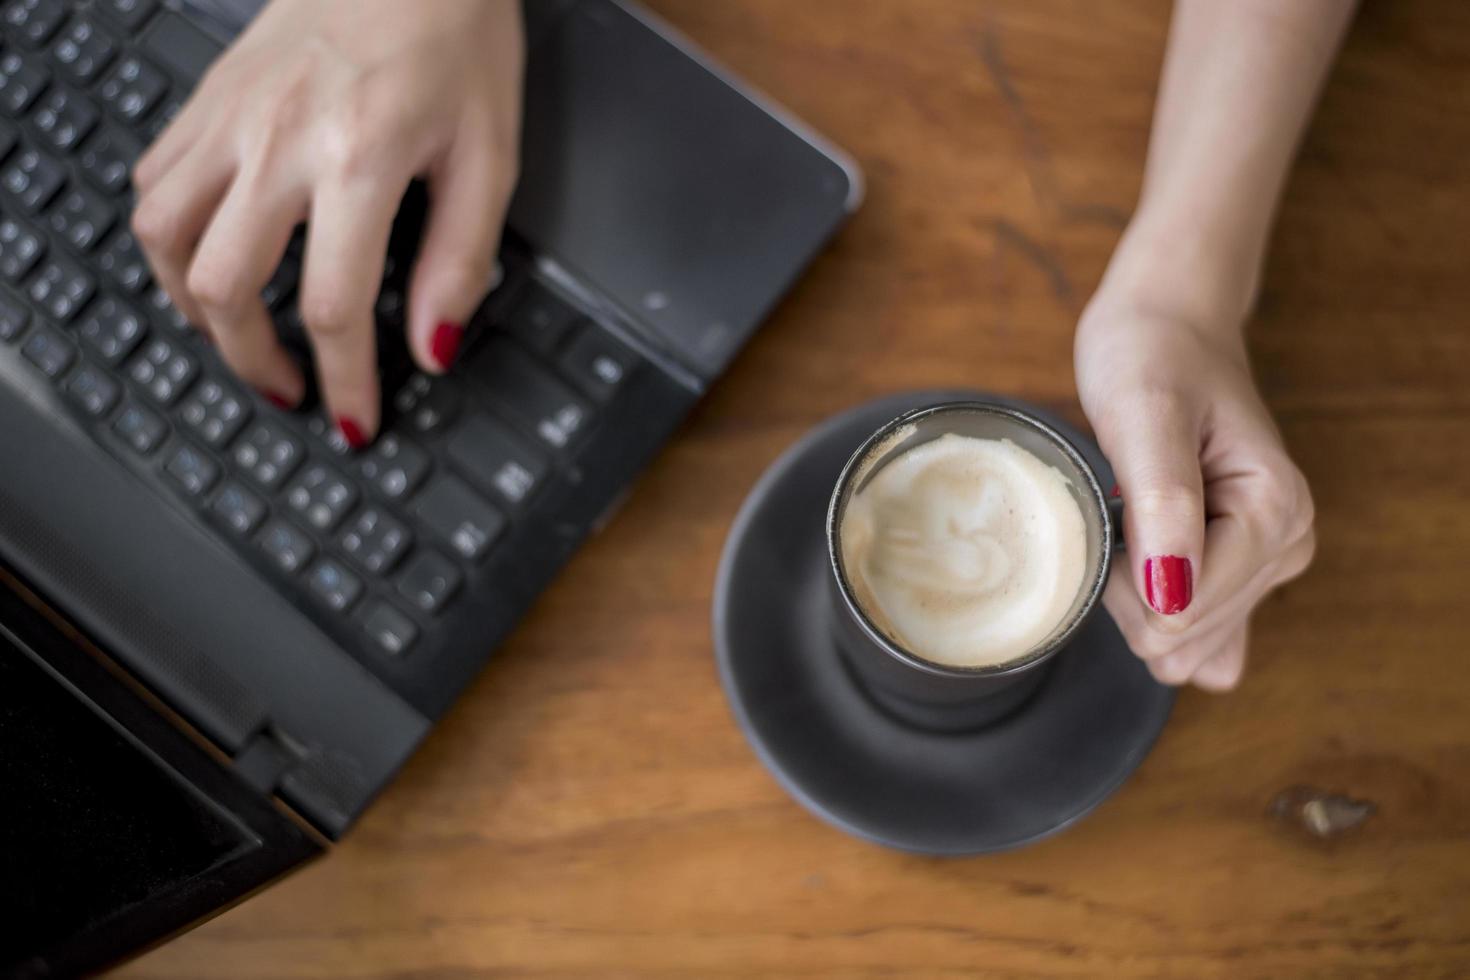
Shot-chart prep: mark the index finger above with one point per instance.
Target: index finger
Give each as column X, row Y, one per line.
column 346, row 246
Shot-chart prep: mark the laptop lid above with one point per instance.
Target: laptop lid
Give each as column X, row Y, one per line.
column 686, row 199
column 116, row 829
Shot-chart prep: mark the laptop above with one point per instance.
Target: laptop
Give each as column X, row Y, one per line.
column 221, row 631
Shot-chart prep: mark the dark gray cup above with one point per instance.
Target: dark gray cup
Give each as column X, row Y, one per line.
column 942, row 697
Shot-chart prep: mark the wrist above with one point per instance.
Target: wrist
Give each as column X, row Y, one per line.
column 1188, row 270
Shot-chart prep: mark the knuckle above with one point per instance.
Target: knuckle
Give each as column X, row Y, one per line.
column 360, row 138
column 1153, row 644
column 463, row 275
column 352, row 153
column 1222, row 680
column 327, row 311
column 1170, row 670
column 1300, row 557
column 1285, row 500
column 157, row 226
column 282, row 114
column 216, row 285
column 1166, row 500
column 1309, row 548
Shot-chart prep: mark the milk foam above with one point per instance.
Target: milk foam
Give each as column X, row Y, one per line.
column 965, row 551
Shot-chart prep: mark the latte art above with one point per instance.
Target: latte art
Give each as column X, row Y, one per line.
column 965, row 551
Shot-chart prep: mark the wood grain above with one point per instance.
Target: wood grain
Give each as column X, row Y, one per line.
column 590, row 807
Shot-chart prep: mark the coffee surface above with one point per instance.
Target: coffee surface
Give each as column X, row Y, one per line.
column 965, row 551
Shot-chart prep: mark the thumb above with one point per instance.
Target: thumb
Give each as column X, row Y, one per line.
column 1155, row 452
column 468, row 194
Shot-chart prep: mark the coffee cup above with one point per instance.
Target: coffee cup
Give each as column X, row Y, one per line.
column 913, row 662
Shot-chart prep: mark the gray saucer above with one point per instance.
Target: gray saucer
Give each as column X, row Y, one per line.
column 1086, row 729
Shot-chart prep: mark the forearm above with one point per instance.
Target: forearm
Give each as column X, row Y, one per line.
column 1239, row 83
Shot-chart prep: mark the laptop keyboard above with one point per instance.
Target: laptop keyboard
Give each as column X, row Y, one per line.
column 381, row 543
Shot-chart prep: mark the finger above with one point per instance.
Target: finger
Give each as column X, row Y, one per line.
column 470, row 191
column 235, row 259
column 1223, row 671
column 346, row 244
column 1261, row 513
column 1178, row 667
column 169, row 220
column 181, row 134
column 1154, row 446
column 1149, row 643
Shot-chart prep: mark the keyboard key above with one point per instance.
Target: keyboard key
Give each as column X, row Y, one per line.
column 238, row 508
column 286, row 545
column 395, row 465
column 429, row 581
column 331, row 582
column 32, row 178
column 140, row 427
column 390, row 304
column 429, row 404
column 111, row 330
column 63, row 119
column 458, row 515
column 495, row 459
column 327, row 433
column 83, row 50
column 158, row 122
column 390, row 631
column 283, row 281
column 129, row 13
column 162, row 304
column 268, row 454
column 215, row 413
column 91, row 390
column 191, row 470
column 164, row 370
column 81, row 218
column 20, row 248
column 321, row 496
column 180, row 45
column 61, row 288
column 50, row 351
column 540, row 319
column 530, row 393
column 376, row 540
column 597, row 361
column 15, row 316
column 107, row 158
column 122, row 261
column 131, row 88
column 32, row 22
column 21, row 82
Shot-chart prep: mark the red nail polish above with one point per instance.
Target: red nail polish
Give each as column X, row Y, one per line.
column 277, row 401
column 352, row 432
column 445, row 343
column 1117, row 491
column 1168, row 581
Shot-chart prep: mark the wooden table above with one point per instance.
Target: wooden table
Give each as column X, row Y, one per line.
column 590, row 808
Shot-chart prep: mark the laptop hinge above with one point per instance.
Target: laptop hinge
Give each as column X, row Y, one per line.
column 266, row 758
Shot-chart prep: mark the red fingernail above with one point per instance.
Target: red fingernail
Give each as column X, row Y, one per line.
column 277, row 400
column 352, row 432
column 445, row 343
column 1168, row 582
column 1117, row 491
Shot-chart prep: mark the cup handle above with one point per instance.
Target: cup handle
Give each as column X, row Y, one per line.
column 1115, row 515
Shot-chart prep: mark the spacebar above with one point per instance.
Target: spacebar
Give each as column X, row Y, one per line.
column 181, row 46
